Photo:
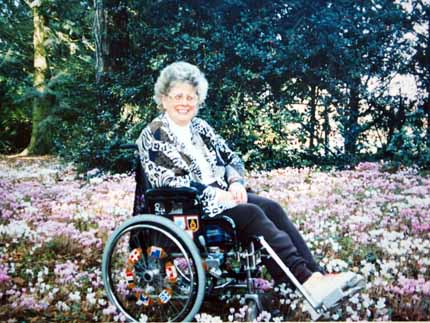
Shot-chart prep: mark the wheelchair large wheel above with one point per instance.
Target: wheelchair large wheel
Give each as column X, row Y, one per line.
column 152, row 271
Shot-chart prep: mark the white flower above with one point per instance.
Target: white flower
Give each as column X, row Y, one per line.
column 366, row 300
column 293, row 305
column 335, row 317
column 355, row 317
column 354, row 299
column 75, row 297
column 336, row 265
column 368, row 269
column 381, row 303
column 91, row 298
column 16, row 229
column 93, row 172
column 206, row 318
column 63, row 307
column 264, row 317
column 95, row 181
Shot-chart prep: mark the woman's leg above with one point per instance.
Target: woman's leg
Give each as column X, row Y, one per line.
column 252, row 221
column 278, row 216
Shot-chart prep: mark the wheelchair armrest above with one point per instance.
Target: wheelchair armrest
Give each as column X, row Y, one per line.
column 179, row 194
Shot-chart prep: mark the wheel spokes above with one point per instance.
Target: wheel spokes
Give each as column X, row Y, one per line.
column 141, row 285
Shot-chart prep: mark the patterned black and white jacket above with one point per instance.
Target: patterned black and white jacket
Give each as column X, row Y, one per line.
column 166, row 162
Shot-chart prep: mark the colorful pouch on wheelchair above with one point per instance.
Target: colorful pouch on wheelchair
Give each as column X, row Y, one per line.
column 171, row 273
column 215, row 234
column 156, row 252
column 135, row 256
column 143, row 299
column 188, row 223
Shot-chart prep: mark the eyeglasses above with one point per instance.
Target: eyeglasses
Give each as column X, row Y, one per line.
column 191, row 99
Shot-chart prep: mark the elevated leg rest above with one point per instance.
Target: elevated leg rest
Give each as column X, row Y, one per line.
column 320, row 302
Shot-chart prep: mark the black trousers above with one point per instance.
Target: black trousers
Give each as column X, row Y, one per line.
column 264, row 217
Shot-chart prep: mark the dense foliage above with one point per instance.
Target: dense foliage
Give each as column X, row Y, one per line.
column 291, row 82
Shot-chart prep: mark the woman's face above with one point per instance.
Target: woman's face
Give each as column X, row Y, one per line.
column 180, row 103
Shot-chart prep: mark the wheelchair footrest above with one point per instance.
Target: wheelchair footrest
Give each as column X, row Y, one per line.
column 333, row 299
column 351, row 284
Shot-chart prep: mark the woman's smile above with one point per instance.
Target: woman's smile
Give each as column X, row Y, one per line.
column 183, row 110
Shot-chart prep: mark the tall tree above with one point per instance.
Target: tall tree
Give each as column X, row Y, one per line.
column 420, row 63
column 58, row 49
column 362, row 41
column 40, row 142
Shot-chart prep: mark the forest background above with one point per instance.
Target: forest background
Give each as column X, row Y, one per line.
column 296, row 87
column 292, row 83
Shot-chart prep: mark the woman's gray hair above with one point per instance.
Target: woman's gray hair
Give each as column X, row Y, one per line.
column 180, row 72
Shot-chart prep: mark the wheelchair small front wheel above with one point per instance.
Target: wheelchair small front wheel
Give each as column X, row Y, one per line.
column 251, row 311
column 152, row 271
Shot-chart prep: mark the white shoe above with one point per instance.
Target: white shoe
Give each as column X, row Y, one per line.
column 329, row 290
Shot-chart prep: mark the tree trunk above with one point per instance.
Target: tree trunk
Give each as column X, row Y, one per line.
column 40, row 142
column 352, row 127
column 326, row 127
column 112, row 46
column 100, row 39
column 313, row 118
column 427, row 111
column 119, row 36
column 427, row 64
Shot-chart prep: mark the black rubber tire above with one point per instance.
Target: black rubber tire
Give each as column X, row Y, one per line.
column 182, row 240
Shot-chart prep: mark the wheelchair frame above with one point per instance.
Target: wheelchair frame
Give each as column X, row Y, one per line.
column 142, row 291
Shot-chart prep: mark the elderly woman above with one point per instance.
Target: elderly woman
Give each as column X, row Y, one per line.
column 179, row 149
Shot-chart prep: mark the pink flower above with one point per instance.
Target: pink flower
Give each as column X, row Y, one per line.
column 110, row 310
column 262, row 284
column 367, row 166
column 4, row 277
column 66, row 272
column 426, row 288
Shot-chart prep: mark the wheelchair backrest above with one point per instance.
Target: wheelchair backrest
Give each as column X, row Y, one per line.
column 142, row 185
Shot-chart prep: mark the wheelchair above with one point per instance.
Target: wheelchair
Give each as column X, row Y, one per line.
column 159, row 265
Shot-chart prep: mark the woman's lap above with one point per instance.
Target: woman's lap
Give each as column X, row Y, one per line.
column 271, row 221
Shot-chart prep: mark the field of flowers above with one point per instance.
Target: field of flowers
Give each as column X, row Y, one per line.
column 53, row 227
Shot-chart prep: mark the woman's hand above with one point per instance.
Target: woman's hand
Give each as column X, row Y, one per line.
column 239, row 193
